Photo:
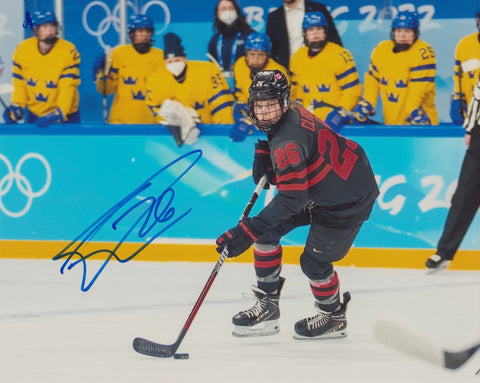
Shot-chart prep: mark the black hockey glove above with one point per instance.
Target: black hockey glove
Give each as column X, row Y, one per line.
column 237, row 239
column 262, row 164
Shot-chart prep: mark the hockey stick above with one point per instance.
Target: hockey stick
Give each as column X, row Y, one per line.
column 10, row 114
column 213, row 60
column 399, row 338
column 3, row 103
column 350, row 114
column 463, row 112
column 147, row 347
column 106, row 70
column 5, row 89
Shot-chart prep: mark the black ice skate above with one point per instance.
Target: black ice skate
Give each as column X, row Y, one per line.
column 436, row 263
column 262, row 318
column 324, row 325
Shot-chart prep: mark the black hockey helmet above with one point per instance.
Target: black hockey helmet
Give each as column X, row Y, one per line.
column 268, row 85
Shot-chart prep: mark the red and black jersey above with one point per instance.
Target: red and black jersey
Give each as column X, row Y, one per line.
column 320, row 169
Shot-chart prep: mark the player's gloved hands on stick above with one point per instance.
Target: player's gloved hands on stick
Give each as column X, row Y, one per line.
column 240, row 130
column 55, row 117
column 99, row 64
column 262, row 164
column 13, row 114
column 456, row 107
column 238, row 239
column 418, row 117
column 337, row 118
column 242, row 127
column 363, row 110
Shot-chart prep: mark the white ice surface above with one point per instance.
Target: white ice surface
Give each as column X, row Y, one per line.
column 51, row 331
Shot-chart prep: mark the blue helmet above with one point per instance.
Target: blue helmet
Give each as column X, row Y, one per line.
column 258, row 42
column 314, row 19
column 43, row 17
column 406, row 19
column 139, row 21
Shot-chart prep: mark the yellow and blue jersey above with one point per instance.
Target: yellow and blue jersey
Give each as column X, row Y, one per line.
column 204, row 89
column 127, row 77
column 404, row 80
column 43, row 83
column 467, row 67
column 330, row 76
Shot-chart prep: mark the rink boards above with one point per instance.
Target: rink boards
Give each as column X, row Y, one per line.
column 93, row 191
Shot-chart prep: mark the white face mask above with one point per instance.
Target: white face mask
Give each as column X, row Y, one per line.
column 176, row 67
column 228, row 17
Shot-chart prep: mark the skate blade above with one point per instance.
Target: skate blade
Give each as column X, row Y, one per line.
column 441, row 267
column 331, row 335
column 261, row 329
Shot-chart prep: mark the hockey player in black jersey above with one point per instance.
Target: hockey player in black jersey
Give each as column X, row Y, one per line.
column 323, row 180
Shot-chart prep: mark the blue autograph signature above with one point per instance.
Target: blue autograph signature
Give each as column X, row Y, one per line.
column 151, row 216
column 28, row 21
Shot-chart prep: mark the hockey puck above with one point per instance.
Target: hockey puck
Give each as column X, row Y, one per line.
column 181, row 356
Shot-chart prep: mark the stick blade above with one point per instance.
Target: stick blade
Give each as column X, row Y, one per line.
column 147, row 347
column 454, row 360
column 415, row 345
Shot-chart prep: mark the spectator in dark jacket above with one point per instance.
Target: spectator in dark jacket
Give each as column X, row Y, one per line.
column 231, row 31
column 284, row 26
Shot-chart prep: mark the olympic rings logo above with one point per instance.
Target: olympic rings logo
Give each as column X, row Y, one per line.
column 112, row 18
column 22, row 183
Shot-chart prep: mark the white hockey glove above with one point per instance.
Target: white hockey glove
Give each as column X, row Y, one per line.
column 473, row 113
column 176, row 114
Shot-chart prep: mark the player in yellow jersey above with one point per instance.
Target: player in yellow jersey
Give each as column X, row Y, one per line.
column 125, row 73
column 45, row 76
column 324, row 74
column 257, row 58
column 466, row 73
column 187, row 92
column 403, row 71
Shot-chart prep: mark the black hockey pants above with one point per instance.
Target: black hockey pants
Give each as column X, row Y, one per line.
column 465, row 201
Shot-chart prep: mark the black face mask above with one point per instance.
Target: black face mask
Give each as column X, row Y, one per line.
column 401, row 48
column 314, row 48
column 142, row 48
column 50, row 40
column 255, row 70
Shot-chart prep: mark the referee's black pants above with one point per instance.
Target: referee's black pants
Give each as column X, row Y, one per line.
column 465, row 201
